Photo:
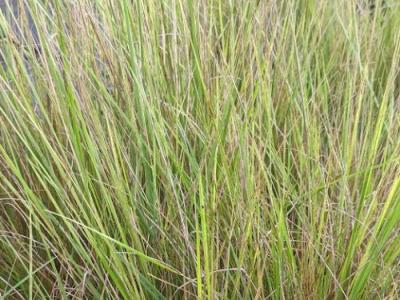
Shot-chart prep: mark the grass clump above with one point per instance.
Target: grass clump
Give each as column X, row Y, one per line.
column 201, row 149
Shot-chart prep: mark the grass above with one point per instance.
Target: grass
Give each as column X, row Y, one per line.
column 201, row 149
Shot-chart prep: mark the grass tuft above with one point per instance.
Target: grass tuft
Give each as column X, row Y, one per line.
column 200, row 149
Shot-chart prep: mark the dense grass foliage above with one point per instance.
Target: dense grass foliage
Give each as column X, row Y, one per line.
column 219, row 149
